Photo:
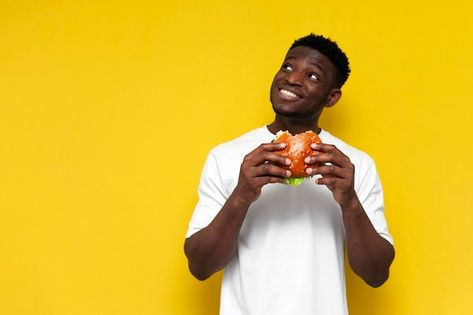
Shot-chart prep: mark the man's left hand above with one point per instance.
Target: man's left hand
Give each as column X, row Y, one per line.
column 336, row 170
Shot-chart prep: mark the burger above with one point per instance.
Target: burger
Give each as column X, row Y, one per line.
column 297, row 149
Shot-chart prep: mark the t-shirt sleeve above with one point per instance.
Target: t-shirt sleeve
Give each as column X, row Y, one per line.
column 370, row 194
column 212, row 196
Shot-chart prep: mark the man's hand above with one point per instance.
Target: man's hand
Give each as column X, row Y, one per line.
column 260, row 167
column 337, row 175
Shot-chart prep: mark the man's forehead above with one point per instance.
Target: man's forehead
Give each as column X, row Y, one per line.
column 314, row 56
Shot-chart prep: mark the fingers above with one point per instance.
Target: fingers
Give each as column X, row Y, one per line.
column 265, row 153
column 336, row 171
column 327, row 171
column 260, row 167
column 323, row 147
column 264, row 180
column 263, row 166
column 327, row 153
column 330, row 182
column 271, row 170
column 266, row 147
column 335, row 167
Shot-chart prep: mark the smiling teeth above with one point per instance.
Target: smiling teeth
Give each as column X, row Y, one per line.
column 288, row 93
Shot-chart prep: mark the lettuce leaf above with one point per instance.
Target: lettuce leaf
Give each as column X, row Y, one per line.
column 294, row 181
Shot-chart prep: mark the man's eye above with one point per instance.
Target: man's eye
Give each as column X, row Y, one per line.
column 314, row 77
column 287, row 68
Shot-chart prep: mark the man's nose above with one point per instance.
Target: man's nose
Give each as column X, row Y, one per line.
column 294, row 78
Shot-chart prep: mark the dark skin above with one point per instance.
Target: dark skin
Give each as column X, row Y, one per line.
column 301, row 89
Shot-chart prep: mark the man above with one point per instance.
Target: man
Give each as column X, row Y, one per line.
column 282, row 247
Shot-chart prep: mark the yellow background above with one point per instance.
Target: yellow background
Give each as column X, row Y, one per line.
column 93, row 204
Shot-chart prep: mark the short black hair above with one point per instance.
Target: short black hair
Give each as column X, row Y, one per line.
column 330, row 49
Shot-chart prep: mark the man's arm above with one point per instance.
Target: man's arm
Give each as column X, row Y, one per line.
column 212, row 248
column 369, row 254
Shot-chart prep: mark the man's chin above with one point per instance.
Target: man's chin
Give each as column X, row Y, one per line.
column 294, row 115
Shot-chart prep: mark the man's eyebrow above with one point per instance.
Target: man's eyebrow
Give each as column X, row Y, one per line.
column 318, row 65
column 312, row 61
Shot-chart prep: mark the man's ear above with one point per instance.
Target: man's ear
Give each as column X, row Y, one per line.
column 334, row 96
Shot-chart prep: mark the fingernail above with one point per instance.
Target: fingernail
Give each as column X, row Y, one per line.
column 282, row 145
column 288, row 161
column 307, row 159
column 313, row 145
column 288, row 173
column 308, row 170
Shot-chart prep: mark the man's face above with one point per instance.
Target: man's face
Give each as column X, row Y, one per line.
column 303, row 85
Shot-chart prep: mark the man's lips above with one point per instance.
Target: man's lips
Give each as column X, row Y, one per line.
column 288, row 95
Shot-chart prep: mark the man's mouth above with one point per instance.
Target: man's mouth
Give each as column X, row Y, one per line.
column 288, row 95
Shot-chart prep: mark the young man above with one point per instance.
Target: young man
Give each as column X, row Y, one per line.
column 282, row 247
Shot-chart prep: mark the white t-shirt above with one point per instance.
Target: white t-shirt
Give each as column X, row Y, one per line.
column 290, row 254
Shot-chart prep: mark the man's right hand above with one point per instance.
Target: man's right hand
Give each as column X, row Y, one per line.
column 260, row 167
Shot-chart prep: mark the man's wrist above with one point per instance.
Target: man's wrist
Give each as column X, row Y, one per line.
column 239, row 202
column 352, row 206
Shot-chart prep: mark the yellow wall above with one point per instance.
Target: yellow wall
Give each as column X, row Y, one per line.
column 93, row 206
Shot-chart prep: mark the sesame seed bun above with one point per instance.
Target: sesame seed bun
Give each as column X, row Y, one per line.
column 297, row 149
